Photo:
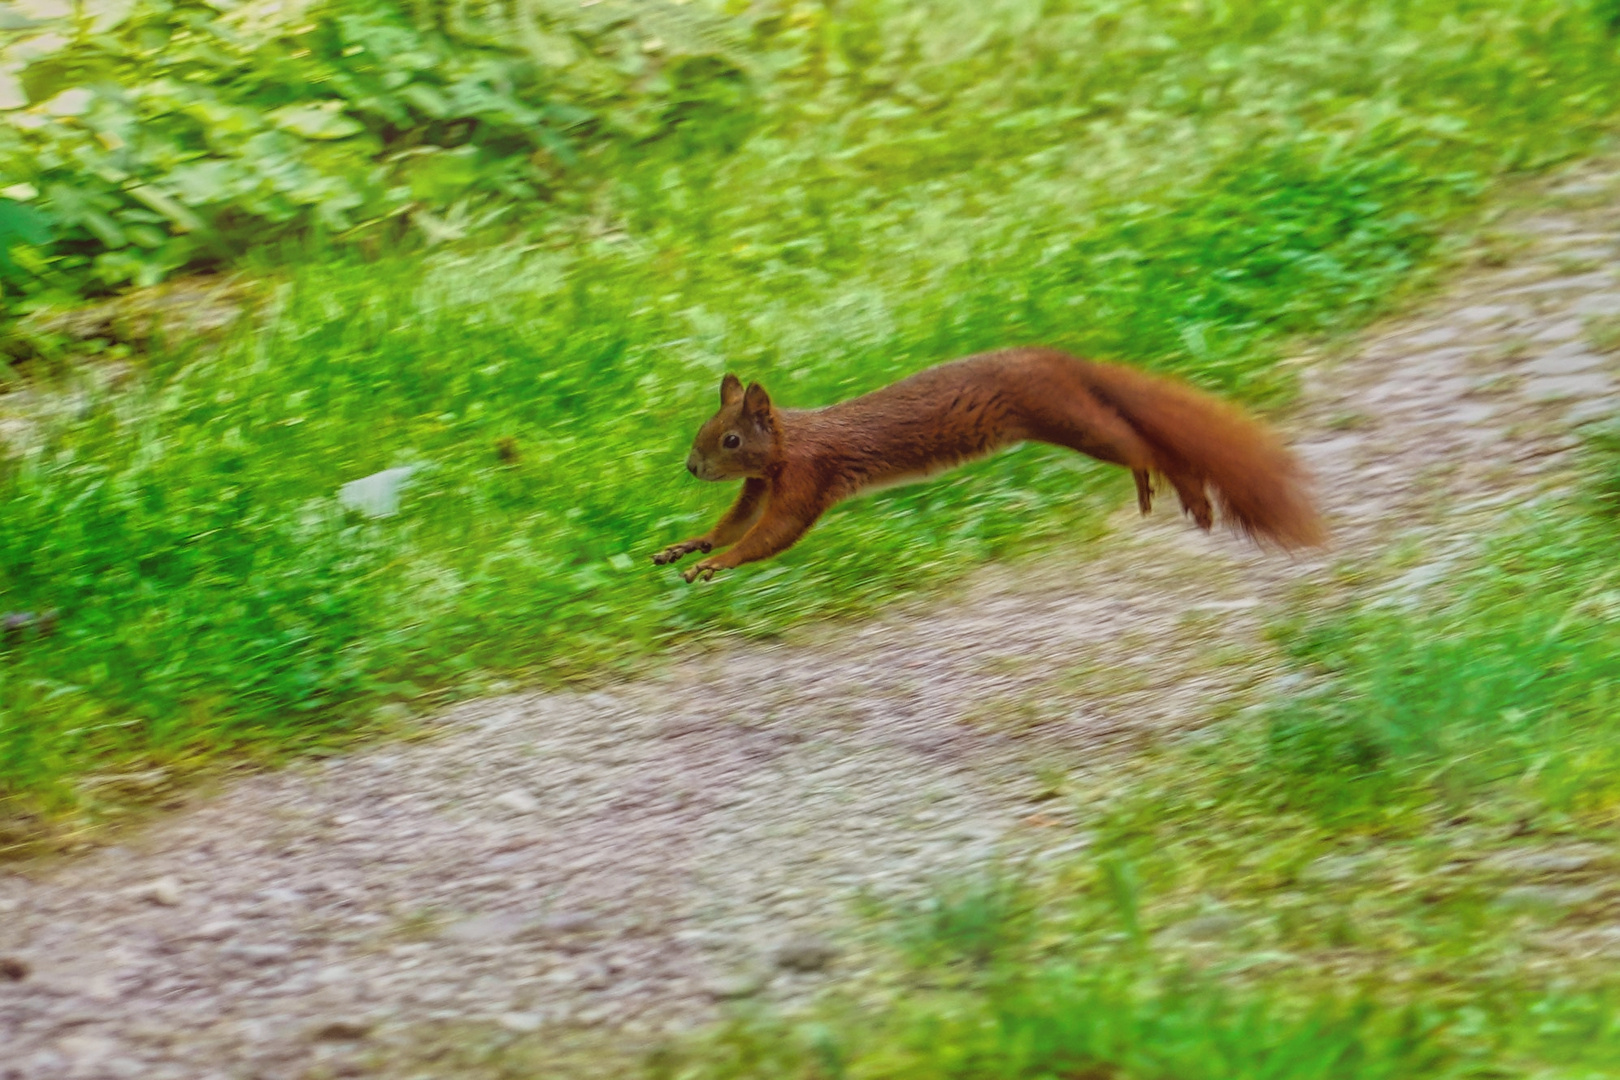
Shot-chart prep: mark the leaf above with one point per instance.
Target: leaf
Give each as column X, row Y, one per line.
column 427, row 100
column 202, row 183
column 183, row 219
column 438, row 177
column 222, row 118
column 73, row 206
column 323, row 121
column 104, row 228
column 20, row 224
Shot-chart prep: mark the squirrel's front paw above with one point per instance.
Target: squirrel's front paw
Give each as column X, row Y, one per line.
column 676, row 552
column 704, row 570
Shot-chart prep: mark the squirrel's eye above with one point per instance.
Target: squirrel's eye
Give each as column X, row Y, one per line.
column 731, row 442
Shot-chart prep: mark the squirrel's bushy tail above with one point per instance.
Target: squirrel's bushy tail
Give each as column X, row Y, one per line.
column 1199, row 440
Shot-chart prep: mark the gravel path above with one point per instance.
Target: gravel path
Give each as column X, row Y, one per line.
column 630, row 860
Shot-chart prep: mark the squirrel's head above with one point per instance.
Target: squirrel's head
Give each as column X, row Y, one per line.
column 740, row 439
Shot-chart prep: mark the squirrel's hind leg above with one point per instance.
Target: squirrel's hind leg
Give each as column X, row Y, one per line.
column 1144, row 490
column 1077, row 420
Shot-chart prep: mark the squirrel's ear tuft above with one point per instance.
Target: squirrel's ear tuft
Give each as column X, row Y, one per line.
column 757, row 402
column 730, row 389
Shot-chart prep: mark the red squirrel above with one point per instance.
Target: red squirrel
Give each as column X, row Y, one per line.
column 795, row 463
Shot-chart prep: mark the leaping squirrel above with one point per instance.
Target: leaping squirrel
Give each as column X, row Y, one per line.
column 796, row 463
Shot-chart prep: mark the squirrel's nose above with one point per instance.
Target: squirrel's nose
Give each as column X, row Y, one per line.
column 691, row 465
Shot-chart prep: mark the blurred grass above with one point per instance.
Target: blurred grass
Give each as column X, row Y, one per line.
column 1505, row 674
column 1188, row 186
column 1056, row 1020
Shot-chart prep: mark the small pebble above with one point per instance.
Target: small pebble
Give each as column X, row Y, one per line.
column 522, row 1023
column 517, row 801
column 806, row 952
column 216, row 930
column 258, row 954
column 165, row 891
column 482, row 929
column 341, row 1030
column 734, row 987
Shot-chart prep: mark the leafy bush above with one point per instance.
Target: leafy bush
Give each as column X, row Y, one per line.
column 174, row 133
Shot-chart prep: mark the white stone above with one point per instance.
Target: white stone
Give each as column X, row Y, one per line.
column 518, row 801
column 376, row 495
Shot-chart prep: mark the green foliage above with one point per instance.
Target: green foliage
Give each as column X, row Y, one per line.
column 213, row 592
column 1184, row 185
column 175, row 133
column 825, row 197
column 19, row 224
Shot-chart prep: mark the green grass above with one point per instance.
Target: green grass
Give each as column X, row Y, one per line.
column 1188, row 186
column 1058, row 1021
column 1506, row 675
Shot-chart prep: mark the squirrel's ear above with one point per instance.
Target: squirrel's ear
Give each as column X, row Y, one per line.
column 730, row 389
column 757, row 402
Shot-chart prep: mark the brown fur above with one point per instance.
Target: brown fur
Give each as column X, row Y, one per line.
column 795, row 463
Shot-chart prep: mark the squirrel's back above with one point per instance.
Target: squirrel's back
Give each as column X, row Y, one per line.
column 954, row 412
column 923, row 424
column 945, row 415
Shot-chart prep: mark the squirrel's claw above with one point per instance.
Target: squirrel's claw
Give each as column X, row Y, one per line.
column 701, row 570
column 676, row 552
